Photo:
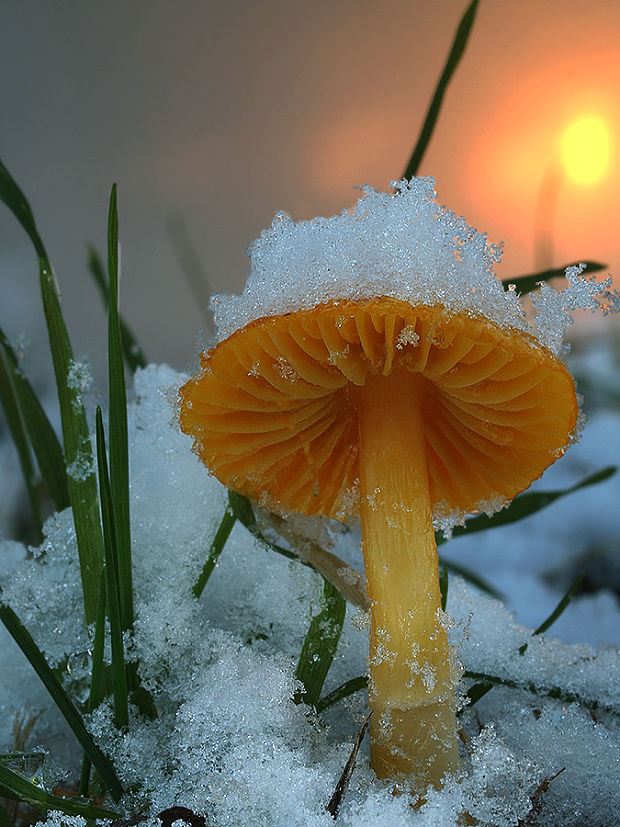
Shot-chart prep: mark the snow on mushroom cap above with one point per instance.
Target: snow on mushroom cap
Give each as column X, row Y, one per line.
column 405, row 246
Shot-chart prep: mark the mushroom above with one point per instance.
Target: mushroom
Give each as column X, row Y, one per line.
column 399, row 411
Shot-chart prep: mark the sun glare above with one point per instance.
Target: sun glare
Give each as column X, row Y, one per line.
column 585, row 149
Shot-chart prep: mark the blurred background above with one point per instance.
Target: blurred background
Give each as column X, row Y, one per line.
column 212, row 115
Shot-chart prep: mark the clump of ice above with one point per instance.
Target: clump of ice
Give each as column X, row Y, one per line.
column 403, row 245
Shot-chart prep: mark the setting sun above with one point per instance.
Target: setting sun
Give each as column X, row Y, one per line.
column 585, row 149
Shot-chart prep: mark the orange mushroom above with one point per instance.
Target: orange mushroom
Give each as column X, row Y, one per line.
column 398, row 411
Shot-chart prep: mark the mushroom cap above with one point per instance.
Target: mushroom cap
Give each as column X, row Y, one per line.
column 273, row 409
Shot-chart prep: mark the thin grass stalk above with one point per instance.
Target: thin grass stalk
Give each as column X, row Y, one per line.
column 525, row 284
column 15, row 787
column 119, row 443
column 215, row 549
column 96, row 677
column 78, row 454
column 5, row 818
column 119, row 680
column 525, row 505
column 456, row 53
column 132, row 351
column 8, row 397
column 43, row 440
column 320, row 645
column 59, row 695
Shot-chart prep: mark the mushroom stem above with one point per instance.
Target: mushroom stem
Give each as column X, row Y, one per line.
column 413, row 725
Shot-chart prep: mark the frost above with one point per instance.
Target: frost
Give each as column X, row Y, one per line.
column 79, row 379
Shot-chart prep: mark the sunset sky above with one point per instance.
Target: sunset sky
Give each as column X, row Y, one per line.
column 222, row 112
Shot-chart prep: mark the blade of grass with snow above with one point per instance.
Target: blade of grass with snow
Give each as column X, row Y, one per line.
column 456, row 53
column 65, row 705
column 15, row 787
column 132, row 352
column 219, row 541
column 525, row 284
column 320, row 645
column 95, row 695
column 78, row 454
column 15, row 423
column 328, row 565
column 42, row 437
column 478, row 690
column 119, row 679
column 119, row 443
column 525, row 505
column 345, row 689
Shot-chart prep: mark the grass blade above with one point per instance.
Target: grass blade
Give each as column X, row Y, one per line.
column 475, row 692
column 328, row 565
column 15, row 787
column 119, row 680
column 193, row 270
column 43, row 439
column 335, row 801
column 525, row 284
column 78, row 454
column 559, row 609
column 219, row 541
column 15, row 423
column 96, row 677
column 5, row 818
column 65, row 705
column 525, row 505
column 119, row 443
column 342, row 691
column 443, row 586
column 456, row 52
column 132, row 352
column 471, row 577
column 320, row 645
column 554, row 692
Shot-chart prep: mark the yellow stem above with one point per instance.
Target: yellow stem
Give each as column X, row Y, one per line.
column 413, row 724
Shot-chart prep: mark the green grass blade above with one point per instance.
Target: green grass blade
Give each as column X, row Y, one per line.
column 78, row 454
column 119, row 443
column 328, row 565
column 320, row 645
column 65, row 705
column 15, row 423
column 193, row 270
column 471, row 577
column 525, row 505
column 456, row 53
column 443, row 586
column 132, row 352
column 525, row 284
column 119, row 679
column 15, row 787
column 242, row 509
column 43, row 439
column 96, row 677
column 554, row 692
column 558, row 611
column 5, row 818
column 219, row 541
column 342, row 691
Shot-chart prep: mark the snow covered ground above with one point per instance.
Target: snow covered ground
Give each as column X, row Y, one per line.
column 230, row 743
